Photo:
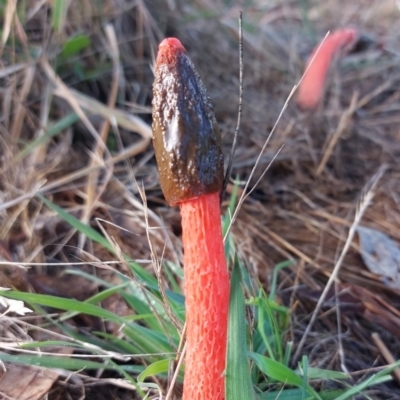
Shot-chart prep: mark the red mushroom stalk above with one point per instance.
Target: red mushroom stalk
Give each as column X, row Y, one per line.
column 188, row 151
column 312, row 86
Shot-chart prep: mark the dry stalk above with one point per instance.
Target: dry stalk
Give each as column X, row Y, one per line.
column 386, row 353
column 39, row 187
column 331, row 141
column 39, row 154
column 365, row 200
column 8, row 17
column 21, row 98
column 92, row 193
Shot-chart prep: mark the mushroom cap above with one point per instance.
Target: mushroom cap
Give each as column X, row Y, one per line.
column 186, row 136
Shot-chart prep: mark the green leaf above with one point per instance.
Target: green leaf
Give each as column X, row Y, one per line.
column 238, row 379
column 155, row 368
column 280, row 372
column 74, row 45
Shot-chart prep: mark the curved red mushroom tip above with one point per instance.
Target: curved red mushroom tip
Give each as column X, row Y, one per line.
column 168, row 50
column 312, row 86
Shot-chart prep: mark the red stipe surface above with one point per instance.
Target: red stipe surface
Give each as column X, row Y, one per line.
column 312, row 86
column 168, row 49
column 207, row 299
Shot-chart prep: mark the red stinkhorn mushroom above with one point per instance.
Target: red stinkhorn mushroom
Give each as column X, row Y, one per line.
column 188, row 151
column 312, row 86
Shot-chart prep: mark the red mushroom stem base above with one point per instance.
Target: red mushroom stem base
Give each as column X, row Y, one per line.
column 207, row 298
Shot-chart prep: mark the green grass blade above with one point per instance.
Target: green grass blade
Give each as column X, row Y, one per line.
column 229, row 246
column 68, row 363
column 77, row 224
column 231, row 209
column 144, row 339
column 59, row 14
column 122, row 345
column 50, row 343
column 272, row 320
column 280, row 372
column 304, row 363
column 332, row 394
column 380, row 377
column 169, row 271
column 274, row 283
column 68, row 331
column 276, row 370
column 288, row 394
column 97, row 298
column 139, row 298
column 63, row 304
column 157, row 368
column 262, row 324
column 238, row 378
column 288, row 352
column 317, row 373
column 54, row 130
column 98, row 238
column 149, row 341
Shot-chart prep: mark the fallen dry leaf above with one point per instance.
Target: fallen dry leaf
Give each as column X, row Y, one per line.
column 381, row 255
column 33, row 382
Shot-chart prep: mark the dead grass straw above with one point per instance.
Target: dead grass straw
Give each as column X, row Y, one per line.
column 294, row 205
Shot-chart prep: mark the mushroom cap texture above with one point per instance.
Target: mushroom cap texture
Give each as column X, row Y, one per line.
column 186, row 136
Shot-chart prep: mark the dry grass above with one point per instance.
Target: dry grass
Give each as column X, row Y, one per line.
column 302, row 209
